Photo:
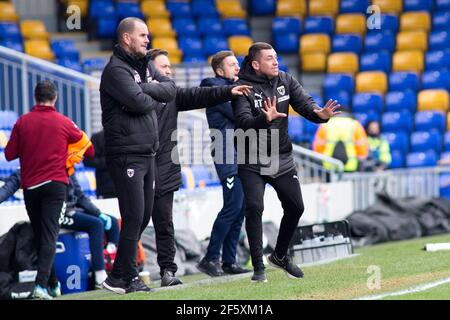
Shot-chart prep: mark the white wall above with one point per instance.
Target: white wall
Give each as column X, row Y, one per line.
column 197, row 210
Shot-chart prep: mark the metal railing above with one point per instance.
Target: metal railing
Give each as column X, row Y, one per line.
column 310, row 166
column 398, row 183
column 78, row 93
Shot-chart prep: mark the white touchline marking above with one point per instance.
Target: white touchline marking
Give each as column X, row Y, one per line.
column 422, row 287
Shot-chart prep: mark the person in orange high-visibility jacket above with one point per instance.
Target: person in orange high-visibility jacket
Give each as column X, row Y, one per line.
column 343, row 138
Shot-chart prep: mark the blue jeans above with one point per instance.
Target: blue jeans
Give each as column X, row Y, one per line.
column 93, row 226
column 227, row 226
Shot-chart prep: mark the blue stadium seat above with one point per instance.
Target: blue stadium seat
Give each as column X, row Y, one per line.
column 338, row 82
column 439, row 40
column 318, row 24
column 235, row 27
column 365, row 102
column 347, row 43
column 262, row 7
column 281, row 65
column 94, row 64
column 397, row 141
column 430, row 120
column 282, row 25
column 65, row 49
column 213, row 44
column 437, row 60
column 106, row 27
column 421, row 159
column 309, row 131
column 317, row 98
column 400, row 81
column 194, row 58
column 366, row 117
column 389, row 22
column 202, row 176
column 343, row 97
column 436, row 80
column 10, row 31
column 354, row 6
column 190, row 45
column 210, row 26
column 128, row 9
column 285, row 33
column 441, row 20
column 12, row 44
column 442, row 5
column 104, row 8
column 179, row 9
column 422, row 141
column 7, row 167
column 397, row 160
column 376, row 41
column 445, row 155
column 286, row 43
column 295, row 128
column 71, row 64
column 447, row 141
column 375, row 61
column 8, row 119
column 401, row 100
column 185, row 26
column 397, row 121
column 418, row 5
column 204, row 8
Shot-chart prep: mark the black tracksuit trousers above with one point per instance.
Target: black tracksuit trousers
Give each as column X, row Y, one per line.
column 164, row 232
column 45, row 207
column 134, row 181
column 288, row 190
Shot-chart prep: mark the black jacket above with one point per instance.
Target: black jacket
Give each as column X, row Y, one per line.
column 12, row 184
column 221, row 117
column 168, row 172
column 128, row 114
column 105, row 186
column 248, row 114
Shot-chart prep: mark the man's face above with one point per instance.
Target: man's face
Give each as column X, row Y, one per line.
column 267, row 63
column 162, row 64
column 137, row 40
column 230, row 68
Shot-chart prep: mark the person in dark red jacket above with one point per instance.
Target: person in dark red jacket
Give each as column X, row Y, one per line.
column 40, row 140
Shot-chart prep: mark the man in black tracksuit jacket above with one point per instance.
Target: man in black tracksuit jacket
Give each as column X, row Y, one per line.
column 168, row 171
column 105, row 185
column 131, row 140
column 274, row 164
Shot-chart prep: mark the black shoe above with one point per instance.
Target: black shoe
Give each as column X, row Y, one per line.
column 115, row 285
column 211, row 268
column 137, row 285
column 234, row 269
column 259, row 276
column 292, row 271
column 169, row 279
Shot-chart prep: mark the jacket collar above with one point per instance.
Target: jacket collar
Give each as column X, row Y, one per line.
column 135, row 62
column 39, row 107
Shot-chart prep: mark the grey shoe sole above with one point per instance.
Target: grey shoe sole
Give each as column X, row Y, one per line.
column 113, row 289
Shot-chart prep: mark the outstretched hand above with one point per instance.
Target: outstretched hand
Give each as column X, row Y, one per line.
column 241, row 90
column 270, row 110
column 330, row 110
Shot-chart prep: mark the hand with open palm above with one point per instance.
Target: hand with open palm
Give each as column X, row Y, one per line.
column 330, row 110
column 270, row 109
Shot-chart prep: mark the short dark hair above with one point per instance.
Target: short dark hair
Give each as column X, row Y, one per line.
column 153, row 53
column 127, row 26
column 45, row 91
column 255, row 50
column 217, row 59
